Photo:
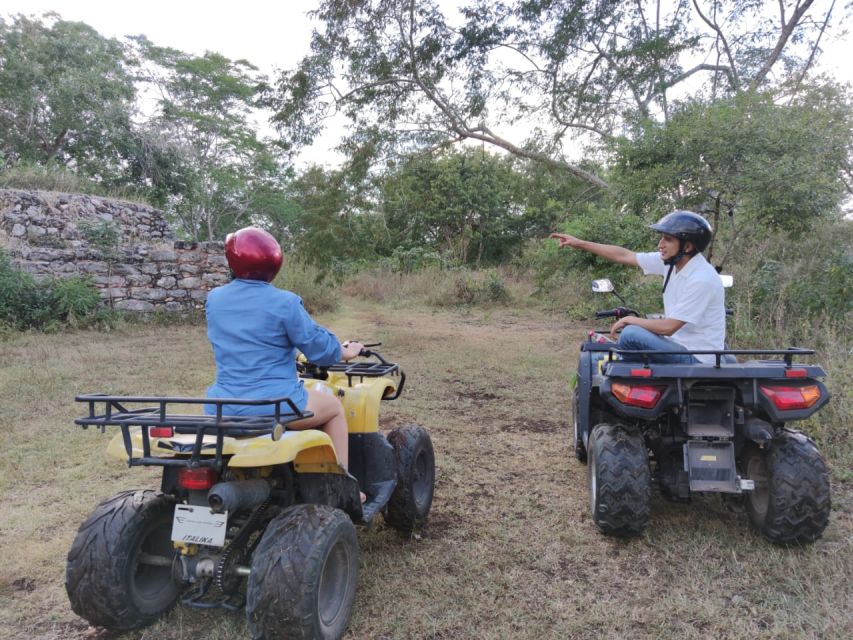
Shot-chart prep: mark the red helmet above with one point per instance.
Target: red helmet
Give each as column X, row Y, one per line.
column 253, row 254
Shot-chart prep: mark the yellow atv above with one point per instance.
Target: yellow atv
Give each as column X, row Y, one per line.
column 249, row 513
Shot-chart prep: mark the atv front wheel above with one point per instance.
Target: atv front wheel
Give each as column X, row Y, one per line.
column 791, row 500
column 619, row 480
column 410, row 503
column 303, row 575
column 119, row 569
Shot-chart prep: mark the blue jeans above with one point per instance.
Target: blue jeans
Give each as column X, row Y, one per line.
column 634, row 338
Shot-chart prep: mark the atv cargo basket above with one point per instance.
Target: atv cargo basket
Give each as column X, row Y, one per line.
column 363, row 369
column 105, row 410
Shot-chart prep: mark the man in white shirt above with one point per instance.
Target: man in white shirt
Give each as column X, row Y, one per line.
column 694, row 307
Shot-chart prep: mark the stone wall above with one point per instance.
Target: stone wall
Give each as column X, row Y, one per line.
column 45, row 234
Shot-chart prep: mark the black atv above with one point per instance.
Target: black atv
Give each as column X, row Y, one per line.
column 700, row 428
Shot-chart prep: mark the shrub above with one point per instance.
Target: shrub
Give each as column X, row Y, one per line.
column 307, row 282
column 551, row 264
column 74, row 299
column 27, row 303
column 469, row 288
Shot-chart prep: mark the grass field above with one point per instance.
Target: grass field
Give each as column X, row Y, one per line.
column 510, row 550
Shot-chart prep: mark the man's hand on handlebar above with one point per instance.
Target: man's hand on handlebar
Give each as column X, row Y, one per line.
column 619, row 325
column 351, row 349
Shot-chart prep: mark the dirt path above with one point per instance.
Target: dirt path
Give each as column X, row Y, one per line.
column 510, row 550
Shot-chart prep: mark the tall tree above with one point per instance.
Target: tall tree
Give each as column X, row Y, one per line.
column 778, row 166
column 569, row 71
column 203, row 146
column 66, row 95
column 467, row 206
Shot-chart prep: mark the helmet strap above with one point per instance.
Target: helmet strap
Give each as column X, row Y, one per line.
column 674, row 260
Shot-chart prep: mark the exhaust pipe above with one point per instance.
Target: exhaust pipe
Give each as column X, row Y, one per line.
column 237, row 494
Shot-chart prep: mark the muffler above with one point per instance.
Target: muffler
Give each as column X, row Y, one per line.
column 237, row 494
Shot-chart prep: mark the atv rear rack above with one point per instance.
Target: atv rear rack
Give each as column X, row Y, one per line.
column 116, row 414
column 788, row 354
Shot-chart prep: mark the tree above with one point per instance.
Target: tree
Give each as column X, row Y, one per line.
column 569, row 71
column 779, row 166
column 467, row 206
column 66, row 96
column 201, row 150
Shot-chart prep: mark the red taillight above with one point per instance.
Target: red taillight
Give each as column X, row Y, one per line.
column 790, row 398
column 641, row 373
column 795, row 373
column 199, row 478
column 161, row 432
column 645, row 397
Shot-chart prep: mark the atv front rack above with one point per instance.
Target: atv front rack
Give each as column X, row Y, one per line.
column 362, row 370
column 106, row 410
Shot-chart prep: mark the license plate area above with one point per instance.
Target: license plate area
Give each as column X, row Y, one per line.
column 194, row 524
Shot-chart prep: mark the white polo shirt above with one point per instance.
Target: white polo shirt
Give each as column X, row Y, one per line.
column 694, row 295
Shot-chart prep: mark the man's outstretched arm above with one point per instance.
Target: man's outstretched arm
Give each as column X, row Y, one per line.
column 611, row 252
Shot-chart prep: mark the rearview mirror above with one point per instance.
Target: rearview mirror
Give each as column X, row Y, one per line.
column 602, row 286
column 728, row 281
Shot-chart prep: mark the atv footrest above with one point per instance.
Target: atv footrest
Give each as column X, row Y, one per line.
column 711, row 466
column 380, row 494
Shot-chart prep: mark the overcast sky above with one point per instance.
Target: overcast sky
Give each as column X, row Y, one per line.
column 271, row 35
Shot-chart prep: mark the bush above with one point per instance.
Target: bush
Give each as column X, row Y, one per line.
column 470, row 288
column 307, row 282
column 551, row 264
column 26, row 303
column 794, row 285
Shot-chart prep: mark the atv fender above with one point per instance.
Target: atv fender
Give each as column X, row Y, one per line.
column 310, row 450
column 583, row 386
column 361, row 400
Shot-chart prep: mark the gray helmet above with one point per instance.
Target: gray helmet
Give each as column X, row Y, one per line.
column 686, row 225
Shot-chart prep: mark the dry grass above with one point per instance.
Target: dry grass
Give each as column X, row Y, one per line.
column 510, row 550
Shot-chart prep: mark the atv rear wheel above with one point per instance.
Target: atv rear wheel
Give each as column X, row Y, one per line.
column 410, row 503
column 580, row 449
column 118, row 574
column 791, row 500
column 303, row 575
column 619, row 480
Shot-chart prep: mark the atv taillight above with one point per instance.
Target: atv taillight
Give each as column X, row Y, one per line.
column 161, row 432
column 641, row 373
column 643, row 396
column 790, row 398
column 198, row 478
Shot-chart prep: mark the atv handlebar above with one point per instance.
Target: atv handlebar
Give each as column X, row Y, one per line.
column 370, row 369
column 618, row 312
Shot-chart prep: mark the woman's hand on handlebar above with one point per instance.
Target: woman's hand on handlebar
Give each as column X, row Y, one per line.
column 350, row 349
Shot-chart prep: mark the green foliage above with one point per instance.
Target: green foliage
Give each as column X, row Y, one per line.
column 26, row 303
column 777, row 165
column 412, row 75
column 104, row 235
column 200, row 152
column 73, row 299
column 795, row 284
column 466, row 206
column 66, row 96
column 470, row 288
column 602, row 225
column 408, row 260
column 318, row 294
